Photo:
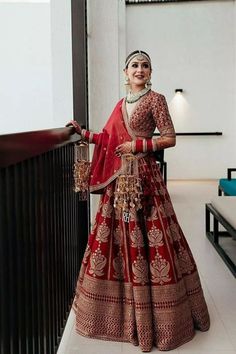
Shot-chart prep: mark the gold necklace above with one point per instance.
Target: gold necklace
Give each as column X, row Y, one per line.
column 134, row 97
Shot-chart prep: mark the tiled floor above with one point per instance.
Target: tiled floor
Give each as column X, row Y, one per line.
column 218, row 283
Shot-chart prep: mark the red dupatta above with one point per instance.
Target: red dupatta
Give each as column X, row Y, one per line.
column 106, row 166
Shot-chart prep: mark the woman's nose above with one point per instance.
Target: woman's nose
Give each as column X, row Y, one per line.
column 140, row 68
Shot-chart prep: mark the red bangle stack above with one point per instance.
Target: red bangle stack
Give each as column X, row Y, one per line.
column 87, row 135
column 144, row 145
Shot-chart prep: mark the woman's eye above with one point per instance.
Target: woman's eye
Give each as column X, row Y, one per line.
column 134, row 65
column 146, row 66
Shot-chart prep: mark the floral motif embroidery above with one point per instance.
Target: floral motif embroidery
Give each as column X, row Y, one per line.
column 175, row 232
column 161, row 190
column 166, row 209
column 153, row 106
column 136, row 237
column 140, row 270
column 97, row 263
column 185, row 262
column 86, row 254
column 102, row 232
column 106, row 210
column 160, row 270
column 155, row 237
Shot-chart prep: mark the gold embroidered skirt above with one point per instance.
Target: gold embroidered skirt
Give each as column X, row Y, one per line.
column 138, row 281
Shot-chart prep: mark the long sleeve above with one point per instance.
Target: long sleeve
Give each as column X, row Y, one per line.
column 164, row 124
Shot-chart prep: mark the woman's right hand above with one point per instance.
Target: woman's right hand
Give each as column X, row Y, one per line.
column 75, row 125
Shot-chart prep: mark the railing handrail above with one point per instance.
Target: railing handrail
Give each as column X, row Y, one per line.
column 18, row 147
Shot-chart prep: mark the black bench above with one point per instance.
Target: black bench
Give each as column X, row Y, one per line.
column 223, row 212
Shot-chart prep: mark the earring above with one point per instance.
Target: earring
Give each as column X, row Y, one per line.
column 148, row 83
column 126, row 80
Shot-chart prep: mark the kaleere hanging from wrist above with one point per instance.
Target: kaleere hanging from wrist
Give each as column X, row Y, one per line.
column 81, row 169
column 128, row 188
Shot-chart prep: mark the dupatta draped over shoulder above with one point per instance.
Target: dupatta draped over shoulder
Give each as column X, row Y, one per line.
column 106, row 166
column 150, row 112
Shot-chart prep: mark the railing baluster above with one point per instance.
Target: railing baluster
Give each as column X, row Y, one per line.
column 43, row 233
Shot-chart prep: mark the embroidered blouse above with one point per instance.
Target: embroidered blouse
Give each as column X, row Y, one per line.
column 149, row 113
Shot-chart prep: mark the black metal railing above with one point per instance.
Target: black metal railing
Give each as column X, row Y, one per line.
column 43, row 233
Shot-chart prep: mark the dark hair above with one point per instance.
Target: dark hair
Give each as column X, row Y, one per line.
column 135, row 52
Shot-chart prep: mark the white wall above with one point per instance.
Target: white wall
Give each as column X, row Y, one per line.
column 25, row 67
column 192, row 47
column 61, row 46
column 106, row 33
column 35, row 65
column 103, row 60
column 234, row 129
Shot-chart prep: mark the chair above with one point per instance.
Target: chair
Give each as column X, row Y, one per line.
column 159, row 156
column 227, row 186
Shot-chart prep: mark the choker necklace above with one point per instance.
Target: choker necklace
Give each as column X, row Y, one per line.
column 134, row 97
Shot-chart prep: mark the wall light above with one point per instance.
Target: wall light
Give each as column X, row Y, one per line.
column 179, row 90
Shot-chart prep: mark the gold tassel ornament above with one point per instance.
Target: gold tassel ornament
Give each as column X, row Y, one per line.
column 128, row 190
column 81, row 170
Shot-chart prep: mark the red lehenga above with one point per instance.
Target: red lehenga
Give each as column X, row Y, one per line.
column 138, row 281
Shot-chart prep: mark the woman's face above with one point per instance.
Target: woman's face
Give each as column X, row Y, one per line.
column 138, row 72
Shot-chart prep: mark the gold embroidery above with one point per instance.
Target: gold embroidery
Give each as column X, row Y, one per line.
column 155, row 237
column 160, row 270
column 185, row 262
column 150, row 306
column 175, row 231
column 105, row 309
column 102, row 232
column 136, row 237
column 106, row 210
column 140, row 270
column 97, row 263
column 168, row 208
column 86, row 253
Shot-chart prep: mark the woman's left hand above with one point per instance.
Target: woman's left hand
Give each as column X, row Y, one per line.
column 124, row 148
column 74, row 124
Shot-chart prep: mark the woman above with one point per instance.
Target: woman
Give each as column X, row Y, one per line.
column 138, row 281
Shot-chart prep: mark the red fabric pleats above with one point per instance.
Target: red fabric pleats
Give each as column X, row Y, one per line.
column 138, row 281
